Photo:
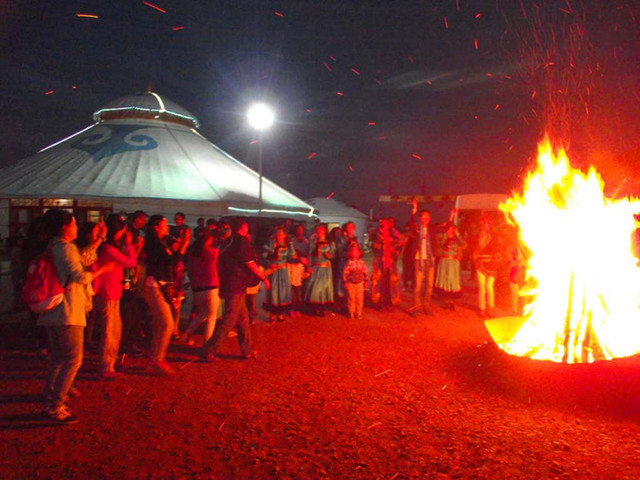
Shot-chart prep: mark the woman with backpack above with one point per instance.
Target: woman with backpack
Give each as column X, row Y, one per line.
column 65, row 322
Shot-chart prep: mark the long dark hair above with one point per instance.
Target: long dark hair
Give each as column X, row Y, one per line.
column 54, row 219
column 114, row 223
column 281, row 228
column 153, row 222
column 84, row 232
column 151, row 239
column 237, row 223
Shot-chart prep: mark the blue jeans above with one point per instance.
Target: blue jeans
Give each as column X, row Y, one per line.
column 65, row 357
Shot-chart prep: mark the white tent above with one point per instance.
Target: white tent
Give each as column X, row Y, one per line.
column 144, row 152
column 333, row 212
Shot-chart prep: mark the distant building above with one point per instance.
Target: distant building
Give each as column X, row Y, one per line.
column 335, row 214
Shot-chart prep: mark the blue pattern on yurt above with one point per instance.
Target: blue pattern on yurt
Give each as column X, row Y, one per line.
column 114, row 139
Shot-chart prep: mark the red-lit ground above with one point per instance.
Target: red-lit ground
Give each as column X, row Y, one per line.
column 387, row 397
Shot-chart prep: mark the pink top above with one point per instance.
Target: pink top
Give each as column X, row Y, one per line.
column 203, row 270
column 108, row 286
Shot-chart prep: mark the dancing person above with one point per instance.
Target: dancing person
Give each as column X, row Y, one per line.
column 65, row 322
column 356, row 278
column 319, row 291
column 133, row 309
column 176, row 231
column 212, row 226
column 90, row 237
column 224, row 232
column 200, row 227
column 136, row 275
column 236, row 269
column 181, row 234
column 202, row 266
column 159, row 290
column 119, row 250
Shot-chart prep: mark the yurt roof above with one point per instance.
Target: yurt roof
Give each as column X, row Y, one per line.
column 147, row 105
column 144, row 158
column 332, row 207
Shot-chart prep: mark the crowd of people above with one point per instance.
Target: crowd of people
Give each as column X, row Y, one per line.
column 125, row 280
column 433, row 258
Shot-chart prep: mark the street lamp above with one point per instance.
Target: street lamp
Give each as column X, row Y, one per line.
column 260, row 117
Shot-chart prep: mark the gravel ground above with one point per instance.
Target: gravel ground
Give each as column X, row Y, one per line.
column 385, row 397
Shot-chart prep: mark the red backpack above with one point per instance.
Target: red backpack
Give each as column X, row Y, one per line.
column 42, row 290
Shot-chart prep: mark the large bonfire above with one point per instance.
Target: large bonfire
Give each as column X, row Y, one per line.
column 583, row 282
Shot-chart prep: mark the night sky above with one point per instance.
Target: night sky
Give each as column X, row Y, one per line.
column 372, row 97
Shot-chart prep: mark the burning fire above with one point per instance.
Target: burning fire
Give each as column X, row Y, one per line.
column 583, row 282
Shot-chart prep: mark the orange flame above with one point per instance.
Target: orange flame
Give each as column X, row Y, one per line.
column 583, row 283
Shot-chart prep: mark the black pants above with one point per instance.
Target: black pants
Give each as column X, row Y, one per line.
column 236, row 316
column 296, row 297
column 135, row 325
column 252, row 307
column 385, row 288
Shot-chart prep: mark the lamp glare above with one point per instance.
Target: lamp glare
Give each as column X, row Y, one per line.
column 260, row 116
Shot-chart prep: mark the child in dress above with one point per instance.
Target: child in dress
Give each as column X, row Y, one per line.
column 356, row 278
column 297, row 273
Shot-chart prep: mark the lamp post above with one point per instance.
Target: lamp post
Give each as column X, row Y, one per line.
column 260, row 117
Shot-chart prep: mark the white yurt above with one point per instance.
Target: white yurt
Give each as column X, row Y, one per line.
column 143, row 152
column 336, row 213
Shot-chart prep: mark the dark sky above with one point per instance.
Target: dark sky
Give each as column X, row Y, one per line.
column 372, row 97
